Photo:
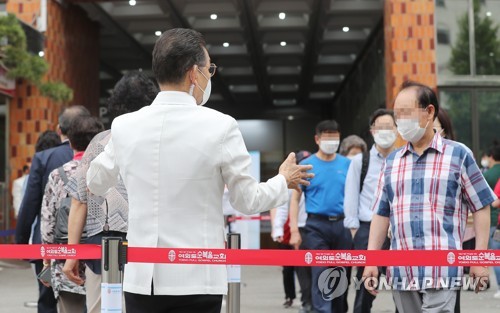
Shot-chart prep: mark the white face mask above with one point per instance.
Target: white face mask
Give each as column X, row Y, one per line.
column 329, row 146
column 206, row 92
column 384, row 138
column 410, row 129
column 485, row 163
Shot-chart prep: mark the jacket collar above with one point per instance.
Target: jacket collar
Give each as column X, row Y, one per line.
column 174, row 98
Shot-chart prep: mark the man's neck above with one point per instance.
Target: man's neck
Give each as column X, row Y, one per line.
column 384, row 152
column 63, row 138
column 495, row 163
column 424, row 142
column 325, row 157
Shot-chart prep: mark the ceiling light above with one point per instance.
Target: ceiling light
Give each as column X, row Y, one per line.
column 282, row 15
column 488, row 13
column 132, row 2
column 345, row 29
column 283, row 43
column 41, row 54
column 213, row 16
column 225, row 45
column 158, row 33
column 291, row 117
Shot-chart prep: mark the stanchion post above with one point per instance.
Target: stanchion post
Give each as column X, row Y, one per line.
column 113, row 260
column 234, row 277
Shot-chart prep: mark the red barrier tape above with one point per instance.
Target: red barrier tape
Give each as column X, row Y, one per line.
column 249, row 218
column 263, row 257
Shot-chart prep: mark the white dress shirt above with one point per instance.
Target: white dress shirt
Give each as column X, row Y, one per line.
column 175, row 157
column 18, row 193
column 357, row 206
column 282, row 213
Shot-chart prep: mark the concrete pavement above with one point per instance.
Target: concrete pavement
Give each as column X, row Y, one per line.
column 261, row 291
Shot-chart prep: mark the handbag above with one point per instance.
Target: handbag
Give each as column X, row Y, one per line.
column 62, row 215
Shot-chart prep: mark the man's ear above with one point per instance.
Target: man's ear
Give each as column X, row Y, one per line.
column 58, row 130
column 192, row 74
column 432, row 110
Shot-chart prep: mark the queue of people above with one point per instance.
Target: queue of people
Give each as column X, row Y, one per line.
column 158, row 176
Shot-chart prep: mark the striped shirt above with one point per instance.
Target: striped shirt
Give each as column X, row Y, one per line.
column 427, row 199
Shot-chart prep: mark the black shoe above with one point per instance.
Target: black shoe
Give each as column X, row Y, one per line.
column 288, row 303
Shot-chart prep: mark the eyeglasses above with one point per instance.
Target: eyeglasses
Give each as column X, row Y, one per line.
column 211, row 69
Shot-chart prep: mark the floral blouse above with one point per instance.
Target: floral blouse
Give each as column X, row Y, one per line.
column 54, row 193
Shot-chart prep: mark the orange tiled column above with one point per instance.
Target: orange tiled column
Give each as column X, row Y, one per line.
column 72, row 51
column 410, row 47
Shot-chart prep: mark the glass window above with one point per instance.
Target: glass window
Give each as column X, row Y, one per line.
column 458, row 105
column 443, row 36
column 489, row 117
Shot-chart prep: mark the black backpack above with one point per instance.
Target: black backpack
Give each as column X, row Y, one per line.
column 62, row 216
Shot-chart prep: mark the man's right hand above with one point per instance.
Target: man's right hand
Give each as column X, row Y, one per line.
column 294, row 174
column 70, row 269
column 295, row 239
column 370, row 279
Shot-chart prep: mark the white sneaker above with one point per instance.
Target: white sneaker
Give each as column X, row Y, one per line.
column 497, row 295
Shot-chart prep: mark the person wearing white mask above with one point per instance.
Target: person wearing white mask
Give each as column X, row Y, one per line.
column 360, row 185
column 324, row 197
column 175, row 157
column 424, row 193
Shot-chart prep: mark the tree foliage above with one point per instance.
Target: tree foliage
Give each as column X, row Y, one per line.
column 22, row 64
column 487, row 46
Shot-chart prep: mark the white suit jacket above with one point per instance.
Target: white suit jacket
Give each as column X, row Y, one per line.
column 175, row 157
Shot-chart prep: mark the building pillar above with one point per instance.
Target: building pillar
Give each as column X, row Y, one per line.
column 72, row 51
column 410, row 46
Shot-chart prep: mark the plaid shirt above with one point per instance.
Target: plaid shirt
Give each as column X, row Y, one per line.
column 427, row 199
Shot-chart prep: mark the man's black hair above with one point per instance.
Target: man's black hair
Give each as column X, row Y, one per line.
column 175, row 53
column 327, row 126
column 425, row 95
column 381, row 112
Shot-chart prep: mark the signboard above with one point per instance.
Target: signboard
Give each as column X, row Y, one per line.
column 7, row 85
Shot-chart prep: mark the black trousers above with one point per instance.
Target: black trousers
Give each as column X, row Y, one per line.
column 288, row 276
column 46, row 301
column 136, row 303
column 304, row 276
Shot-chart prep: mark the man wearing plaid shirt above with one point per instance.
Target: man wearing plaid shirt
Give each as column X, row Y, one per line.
column 425, row 192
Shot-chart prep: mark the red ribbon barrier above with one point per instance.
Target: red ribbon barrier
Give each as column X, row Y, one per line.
column 263, row 257
column 249, row 218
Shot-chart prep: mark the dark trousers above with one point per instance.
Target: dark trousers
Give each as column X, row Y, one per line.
column 322, row 234
column 46, row 301
column 304, row 276
column 364, row 300
column 136, row 303
column 288, row 276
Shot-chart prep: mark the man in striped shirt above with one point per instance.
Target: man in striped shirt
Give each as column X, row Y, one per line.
column 425, row 192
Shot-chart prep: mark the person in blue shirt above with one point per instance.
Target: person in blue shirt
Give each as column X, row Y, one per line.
column 324, row 198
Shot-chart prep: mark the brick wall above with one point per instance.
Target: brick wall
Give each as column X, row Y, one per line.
column 72, row 50
column 410, row 51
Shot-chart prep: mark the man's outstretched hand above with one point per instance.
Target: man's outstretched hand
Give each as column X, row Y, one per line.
column 295, row 175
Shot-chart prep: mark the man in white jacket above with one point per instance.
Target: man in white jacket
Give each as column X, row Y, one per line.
column 175, row 156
